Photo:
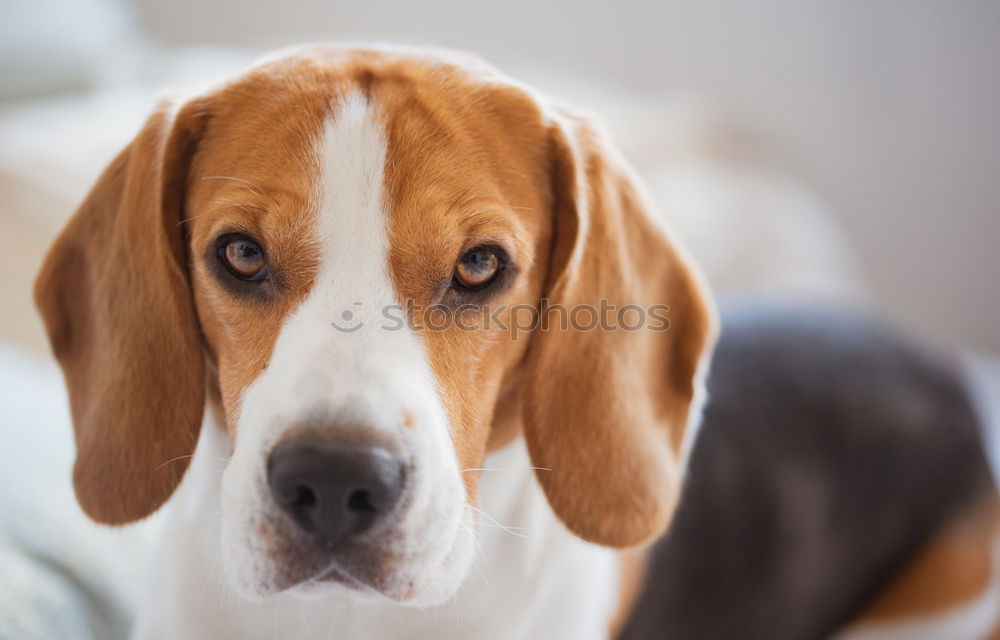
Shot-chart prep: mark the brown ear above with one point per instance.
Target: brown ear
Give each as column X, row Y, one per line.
column 607, row 410
column 114, row 295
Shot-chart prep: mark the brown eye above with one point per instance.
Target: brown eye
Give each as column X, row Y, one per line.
column 477, row 268
column 244, row 258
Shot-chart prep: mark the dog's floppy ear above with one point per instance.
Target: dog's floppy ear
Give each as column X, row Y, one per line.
column 606, row 409
column 115, row 298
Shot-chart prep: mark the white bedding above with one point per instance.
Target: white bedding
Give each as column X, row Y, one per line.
column 62, row 575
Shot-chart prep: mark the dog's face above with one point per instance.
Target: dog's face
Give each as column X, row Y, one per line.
column 369, row 225
column 343, row 247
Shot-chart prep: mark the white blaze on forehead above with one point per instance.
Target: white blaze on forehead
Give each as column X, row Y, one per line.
column 352, row 225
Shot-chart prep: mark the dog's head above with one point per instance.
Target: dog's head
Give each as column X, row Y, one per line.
column 377, row 266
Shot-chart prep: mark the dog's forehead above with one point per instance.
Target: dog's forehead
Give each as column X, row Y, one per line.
column 432, row 105
column 293, row 94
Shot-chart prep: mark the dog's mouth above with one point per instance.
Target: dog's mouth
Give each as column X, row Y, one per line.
column 401, row 568
column 337, row 578
column 333, row 578
column 391, row 568
column 337, row 575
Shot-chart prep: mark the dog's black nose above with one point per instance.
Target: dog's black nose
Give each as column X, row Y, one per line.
column 334, row 491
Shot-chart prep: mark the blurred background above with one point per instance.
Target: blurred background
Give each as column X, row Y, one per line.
column 833, row 149
column 885, row 113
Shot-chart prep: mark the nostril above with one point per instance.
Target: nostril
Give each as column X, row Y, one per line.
column 362, row 509
column 305, row 497
column 361, row 501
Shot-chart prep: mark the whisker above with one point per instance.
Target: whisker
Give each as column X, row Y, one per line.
column 508, row 469
column 305, row 622
column 208, row 577
column 190, row 218
column 239, row 180
column 490, row 518
column 277, row 603
column 497, row 526
column 227, row 202
column 477, row 560
column 190, row 455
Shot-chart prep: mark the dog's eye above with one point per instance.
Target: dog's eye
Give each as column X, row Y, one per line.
column 243, row 257
column 477, row 268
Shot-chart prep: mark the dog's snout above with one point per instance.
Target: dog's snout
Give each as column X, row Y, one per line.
column 332, row 490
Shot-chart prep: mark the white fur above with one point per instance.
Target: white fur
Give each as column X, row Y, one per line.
column 696, row 411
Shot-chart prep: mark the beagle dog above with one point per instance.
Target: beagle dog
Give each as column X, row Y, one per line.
column 401, row 340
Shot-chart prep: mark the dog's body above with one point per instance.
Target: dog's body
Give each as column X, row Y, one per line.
column 282, row 249
column 840, row 480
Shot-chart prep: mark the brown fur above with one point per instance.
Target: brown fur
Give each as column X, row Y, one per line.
column 633, row 574
column 953, row 570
